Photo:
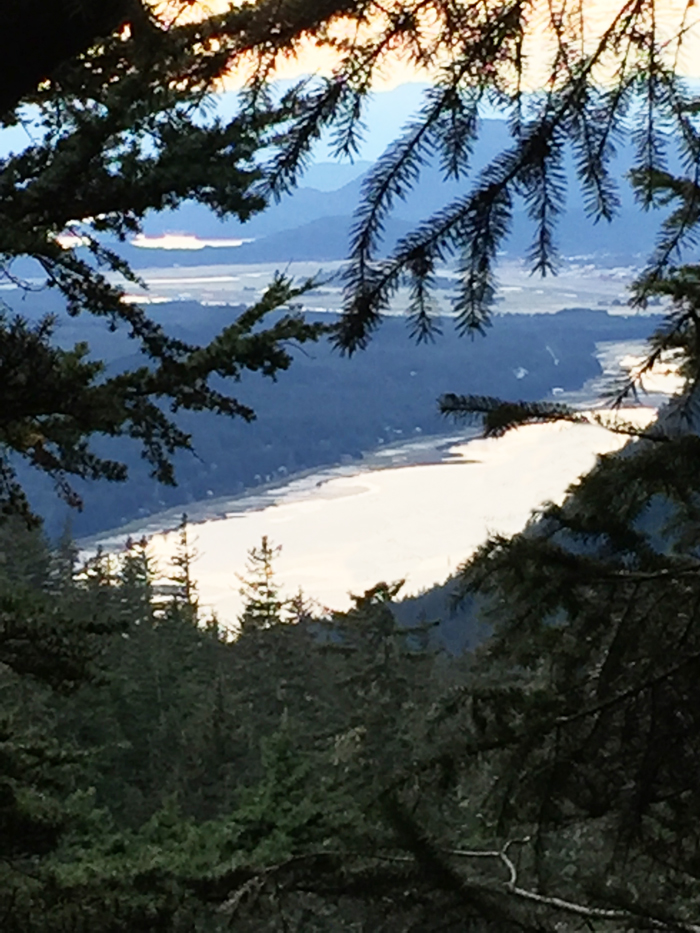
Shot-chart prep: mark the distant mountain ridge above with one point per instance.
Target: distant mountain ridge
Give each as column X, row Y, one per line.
column 311, row 223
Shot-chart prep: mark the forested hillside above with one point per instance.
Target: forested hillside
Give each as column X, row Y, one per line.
column 156, row 764
column 315, row 772
column 327, row 407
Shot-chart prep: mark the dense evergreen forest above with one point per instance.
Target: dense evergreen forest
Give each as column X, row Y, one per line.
column 329, row 773
column 348, row 772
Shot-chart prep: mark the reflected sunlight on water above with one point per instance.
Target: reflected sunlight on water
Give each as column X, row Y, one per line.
column 348, row 532
column 415, row 510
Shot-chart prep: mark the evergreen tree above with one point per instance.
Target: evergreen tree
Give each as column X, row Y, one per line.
column 263, row 607
column 116, row 97
column 571, row 80
column 306, row 776
column 183, row 571
column 135, row 583
column 65, row 559
column 380, row 673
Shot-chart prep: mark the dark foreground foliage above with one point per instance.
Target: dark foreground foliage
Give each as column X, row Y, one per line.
column 339, row 773
column 115, row 99
column 335, row 774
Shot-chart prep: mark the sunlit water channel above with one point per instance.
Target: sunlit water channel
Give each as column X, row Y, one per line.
column 413, row 511
column 343, row 530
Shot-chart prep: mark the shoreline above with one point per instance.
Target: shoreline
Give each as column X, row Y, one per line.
column 418, row 450
column 425, row 450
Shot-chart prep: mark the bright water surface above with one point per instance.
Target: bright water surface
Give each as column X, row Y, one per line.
column 413, row 511
column 343, row 530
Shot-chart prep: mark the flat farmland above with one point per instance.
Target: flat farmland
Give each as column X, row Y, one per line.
column 578, row 284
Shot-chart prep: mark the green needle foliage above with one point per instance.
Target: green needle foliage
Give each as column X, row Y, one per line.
column 587, row 81
column 264, row 605
column 341, row 773
column 115, row 96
